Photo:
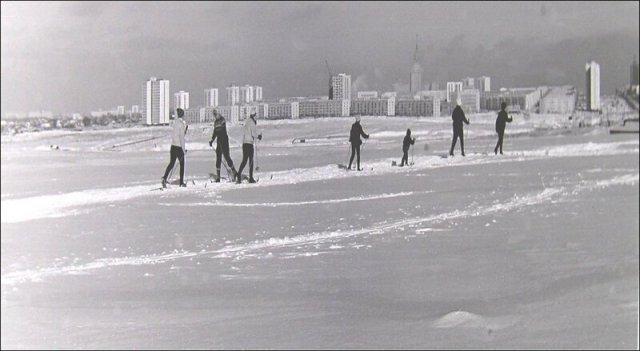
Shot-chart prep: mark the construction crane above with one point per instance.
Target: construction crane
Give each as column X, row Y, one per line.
column 330, row 85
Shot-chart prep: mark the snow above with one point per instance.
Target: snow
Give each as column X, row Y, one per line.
column 534, row 249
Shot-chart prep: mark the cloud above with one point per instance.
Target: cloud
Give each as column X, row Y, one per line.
column 360, row 84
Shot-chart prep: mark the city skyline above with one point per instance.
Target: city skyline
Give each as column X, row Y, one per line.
column 47, row 59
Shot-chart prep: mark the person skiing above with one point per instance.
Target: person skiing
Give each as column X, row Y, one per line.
column 177, row 147
column 354, row 138
column 406, row 143
column 222, row 147
column 248, row 138
column 501, row 123
column 458, row 132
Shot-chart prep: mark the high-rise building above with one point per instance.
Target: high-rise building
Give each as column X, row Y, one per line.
column 233, row 95
column 633, row 80
column 135, row 109
column 120, row 110
column 181, row 100
column 340, row 87
column 246, row 94
column 415, row 80
column 211, row 97
column 258, row 93
column 468, row 83
column 156, row 101
column 453, row 87
column 593, row 86
column 483, row 84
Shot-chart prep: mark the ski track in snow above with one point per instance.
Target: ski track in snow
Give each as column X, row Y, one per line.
column 256, row 249
column 61, row 205
column 464, row 319
column 300, row 203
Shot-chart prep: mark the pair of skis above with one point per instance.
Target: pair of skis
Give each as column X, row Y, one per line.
column 165, row 186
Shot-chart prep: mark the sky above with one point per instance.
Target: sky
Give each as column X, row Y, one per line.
column 83, row 56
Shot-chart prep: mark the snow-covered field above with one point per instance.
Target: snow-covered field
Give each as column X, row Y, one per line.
column 534, row 249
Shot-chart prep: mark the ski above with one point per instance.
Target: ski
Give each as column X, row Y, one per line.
column 244, row 177
column 213, row 177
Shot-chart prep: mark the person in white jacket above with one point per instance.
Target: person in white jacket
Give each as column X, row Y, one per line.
column 248, row 138
column 177, row 147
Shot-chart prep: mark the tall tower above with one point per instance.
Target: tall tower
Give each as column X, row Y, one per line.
column 155, row 101
column 593, row 86
column 340, row 87
column 211, row 97
column 233, row 95
column 181, row 100
column 483, row 84
column 415, row 80
column 258, row 96
column 246, row 94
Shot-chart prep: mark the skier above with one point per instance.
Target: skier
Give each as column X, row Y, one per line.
column 458, row 117
column 177, row 147
column 405, row 148
column 501, row 123
column 222, row 147
column 356, row 132
column 248, row 138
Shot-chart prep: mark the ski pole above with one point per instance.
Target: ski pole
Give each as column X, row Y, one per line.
column 412, row 155
column 348, row 153
column 257, row 165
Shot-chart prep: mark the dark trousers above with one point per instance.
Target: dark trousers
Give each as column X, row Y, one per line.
column 457, row 133
column 247, row 154
column 176, row 152
column 405, row 157
column 223, row 149
column 499, row 144
column 355, row 149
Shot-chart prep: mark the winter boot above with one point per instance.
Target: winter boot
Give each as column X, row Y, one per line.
column 218, row 177
column 235, row 173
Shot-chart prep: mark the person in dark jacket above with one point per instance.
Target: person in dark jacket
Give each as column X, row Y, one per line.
column 222, row 147
column 354, row 138
column 501, row 123
column 458, row 131
column 406, row 143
